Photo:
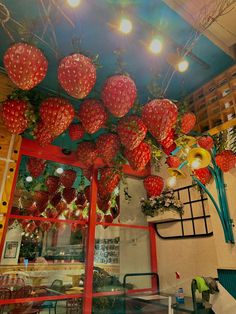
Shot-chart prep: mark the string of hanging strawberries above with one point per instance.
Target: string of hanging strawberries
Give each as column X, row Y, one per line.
column 135, row 138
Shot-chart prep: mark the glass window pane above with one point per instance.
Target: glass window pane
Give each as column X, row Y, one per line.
column 119, row 251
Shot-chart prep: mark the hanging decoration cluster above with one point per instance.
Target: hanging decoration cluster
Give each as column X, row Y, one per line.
column 134, row 138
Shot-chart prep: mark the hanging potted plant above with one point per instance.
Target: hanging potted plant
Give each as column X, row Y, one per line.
column 164, row 207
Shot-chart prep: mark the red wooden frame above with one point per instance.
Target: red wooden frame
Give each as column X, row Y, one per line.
column 54, row 153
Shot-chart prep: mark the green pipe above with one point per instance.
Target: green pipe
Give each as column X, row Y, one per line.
column 213, row 201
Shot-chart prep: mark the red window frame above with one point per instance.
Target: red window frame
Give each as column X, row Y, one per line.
column 54, row 153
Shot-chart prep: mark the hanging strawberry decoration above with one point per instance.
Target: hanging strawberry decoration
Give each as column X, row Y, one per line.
column 119, row 94
column 204, row 175
column 131, row 131
column 69, row 194
column 160, row 116
column 41, row 198
column 67, row 178
column 173, row 161
column 109, row 180
column 206, row 142
column 52, row 183
column 45, row 225
column 57, row 114
column 153, row 185
column 15, row 115
column 92, row 115
column 108, row 147
column 25, row 65
column 138, row 157
column 169, row 150
column 77, row 75
column 169, row 140
column 56, row 199
column 42, row 135
column 188, row 122
column 36, row 166
column 76, row 131
column 226, row 160
column 87, row 153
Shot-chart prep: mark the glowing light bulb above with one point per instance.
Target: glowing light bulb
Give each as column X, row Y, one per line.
column 171, row 181
column 59, row 170
column 196, row 164
column 155, row 46
column 73, row 3
column 183, row 65
column 125, row 26
column 29, row 179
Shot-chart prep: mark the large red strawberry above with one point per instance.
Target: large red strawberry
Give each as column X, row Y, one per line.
column 67, row 178
column 45, row 225
column 69, row 194
column 25, row 65
column 81, row 199
column 41, row 198
column 109, row 180
column 52, row 183
column 138, row 157
column 30, row 227
column 77, row 75
column 87, row 153
column 108, row 147
column 92, row 115
column 169, row 140
column 76, row 131
column 42, row 135
column 206, row 142
column 119, row 94
column 57, row 114
column 36, row 166
column 204, row 175
column 153, row 185
column 131, row 131
column 226, row 160
column 103, row 204
column 173, row 161
column 61, row 207
column 160, row 116
column 14, row 114
column 56, row 199
column 169, row 150
column 188, row 122
column 51, row 212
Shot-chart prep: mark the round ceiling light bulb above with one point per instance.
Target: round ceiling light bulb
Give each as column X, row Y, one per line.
column 73, row 3
column 29, row 179
column 125, row 26
column 59, row 170
column 196, row 164
column 155, row 46
column 171, row 181
column 183, row 65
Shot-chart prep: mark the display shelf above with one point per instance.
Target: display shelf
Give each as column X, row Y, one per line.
column 215, row 102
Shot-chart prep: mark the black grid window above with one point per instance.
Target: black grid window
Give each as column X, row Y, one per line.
column 195, row 222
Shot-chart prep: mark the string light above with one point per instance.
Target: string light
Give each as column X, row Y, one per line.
column 171, row 181
column 59, row 170
column 183, row 65
column 196, row 164
column 155, row 46
column 125, row 26
column 73, row 3
column 29, row 179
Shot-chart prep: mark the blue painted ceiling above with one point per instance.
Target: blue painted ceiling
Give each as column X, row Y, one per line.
column 92, row 27
column 95, row 33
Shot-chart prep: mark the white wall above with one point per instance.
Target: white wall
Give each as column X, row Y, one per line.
column 190, row 257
